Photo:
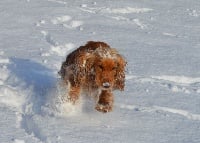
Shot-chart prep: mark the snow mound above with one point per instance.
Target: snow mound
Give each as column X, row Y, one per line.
column 178, row 79
column 11, row 97
column 18, row 141
column 4, row 61
column 57, row 103
column 62, row 50
column 183, row 113
column 61, row 19
column 127, row 10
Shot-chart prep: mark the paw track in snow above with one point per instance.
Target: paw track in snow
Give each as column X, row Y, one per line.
column 159, row 109
column 67, row 22
column 193, row 12
column 139, row 23
column 61, row 19
column 135, row 21
column 62, row 50
column 58, row 1
column 55, row 48
column 39, row 23
column 93, row 10
column 169, row 34
column 119, row 18
column 59, row 50
column 123, row 10
column 178, row 79
column 26, row 90
column 118, row 11
column 126, row 10
column 9, row 95
column 49, row 38
column 31, row 128
column 182, row 84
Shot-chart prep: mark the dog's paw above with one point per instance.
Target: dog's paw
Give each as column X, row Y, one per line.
column 73, row 99
column 104, row 108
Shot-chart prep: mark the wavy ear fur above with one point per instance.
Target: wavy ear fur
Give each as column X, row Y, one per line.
column 120, row 73
column 82, row 66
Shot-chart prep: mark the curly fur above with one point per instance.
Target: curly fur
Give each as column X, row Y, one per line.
column 97, row 68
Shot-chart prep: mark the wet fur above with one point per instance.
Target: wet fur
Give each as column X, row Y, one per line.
column 94, row 68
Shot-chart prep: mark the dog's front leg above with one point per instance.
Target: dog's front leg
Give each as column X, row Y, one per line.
column 105, row 103
column 73, row 94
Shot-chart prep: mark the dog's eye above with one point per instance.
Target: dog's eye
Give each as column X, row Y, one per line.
column 101, row 67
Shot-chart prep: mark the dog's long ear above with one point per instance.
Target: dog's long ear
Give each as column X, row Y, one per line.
column 120, row 73
column 62, row 71
column 90, row 62
column 79, row 67
column 83, row 65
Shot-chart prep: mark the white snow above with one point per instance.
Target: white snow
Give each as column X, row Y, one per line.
column 18, row 141
column 83, row 5
column 67, row 22
column 179, row 79
column 76, row 23
column 139, row 23
column 159, row 40
column 128, row 10
column 61, row 19
column 58, row 1
column 10, row 97
column 183, row 113
column 4, row 61
column 61, row 50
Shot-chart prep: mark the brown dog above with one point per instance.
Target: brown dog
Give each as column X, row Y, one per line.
column 94, row 68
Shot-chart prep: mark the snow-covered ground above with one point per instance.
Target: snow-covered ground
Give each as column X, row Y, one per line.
column 160, row 40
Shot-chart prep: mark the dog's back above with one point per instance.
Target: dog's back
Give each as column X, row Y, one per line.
column 89, row 48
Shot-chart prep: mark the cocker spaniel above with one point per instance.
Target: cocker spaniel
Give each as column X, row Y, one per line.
column 94, row 68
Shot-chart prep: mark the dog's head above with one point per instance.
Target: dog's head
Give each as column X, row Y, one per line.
column 109, row 73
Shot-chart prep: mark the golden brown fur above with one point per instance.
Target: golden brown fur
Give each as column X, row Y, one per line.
column 97, row 68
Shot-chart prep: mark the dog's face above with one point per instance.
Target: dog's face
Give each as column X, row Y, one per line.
column 105, row 70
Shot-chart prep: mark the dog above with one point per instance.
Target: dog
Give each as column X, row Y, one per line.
column 94, row 68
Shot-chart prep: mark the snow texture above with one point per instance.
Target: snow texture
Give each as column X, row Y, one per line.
column 160, row 41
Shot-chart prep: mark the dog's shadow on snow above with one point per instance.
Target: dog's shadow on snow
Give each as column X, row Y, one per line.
column 44, row 89
column 35, row 76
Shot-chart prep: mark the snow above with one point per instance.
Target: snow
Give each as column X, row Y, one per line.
column 62, row 50
column 128, row 10
column 61, row 19
column 178, row 79
column 4, row 61
column 160, row 41
column 18, row 141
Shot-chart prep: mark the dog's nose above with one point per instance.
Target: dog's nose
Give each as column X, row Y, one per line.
column 106, row 84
